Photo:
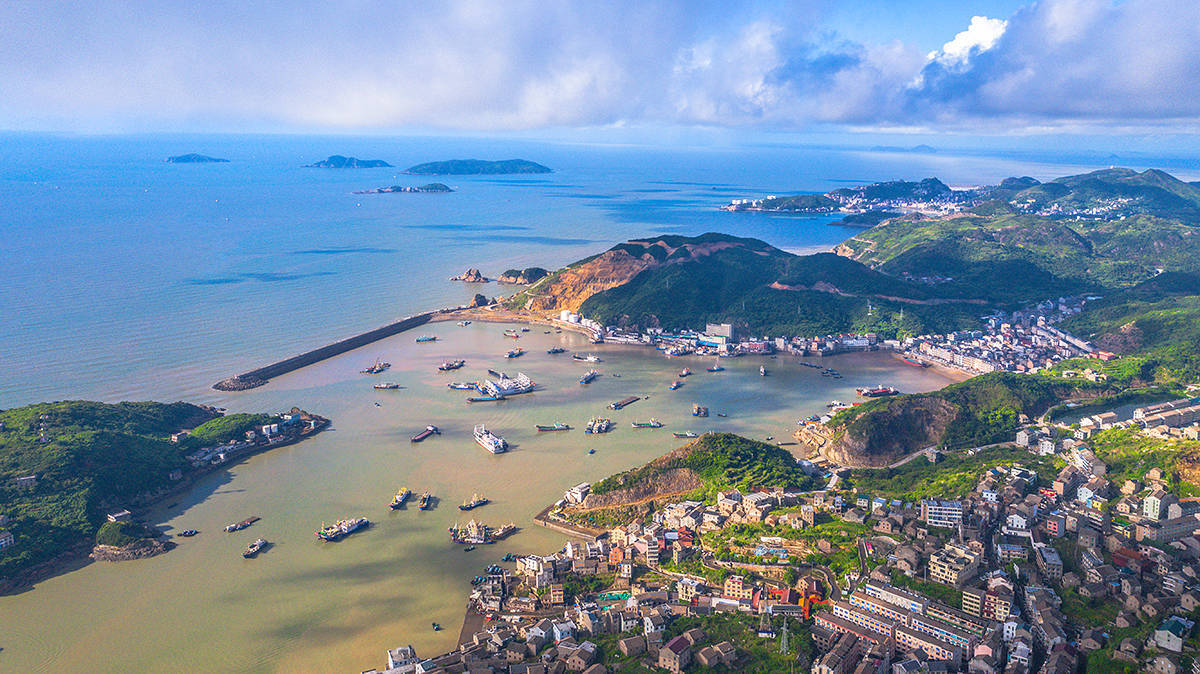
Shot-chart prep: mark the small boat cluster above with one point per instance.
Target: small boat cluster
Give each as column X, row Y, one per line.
column 598, row 425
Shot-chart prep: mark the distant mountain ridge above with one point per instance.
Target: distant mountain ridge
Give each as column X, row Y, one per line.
column 337, row 161
column 193, row 158
column 463, row 167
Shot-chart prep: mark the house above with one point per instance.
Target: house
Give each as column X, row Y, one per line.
column 1172, row 632
column 7, row 539
column 563, row 630
column 120, row 516
column 632, row 646
column 675, row 655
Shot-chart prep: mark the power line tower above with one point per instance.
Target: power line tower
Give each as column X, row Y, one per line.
column 783, row 643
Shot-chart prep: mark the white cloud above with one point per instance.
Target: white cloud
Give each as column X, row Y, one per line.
column 981, row 35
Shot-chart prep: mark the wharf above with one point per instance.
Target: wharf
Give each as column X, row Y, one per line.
column 544, row 518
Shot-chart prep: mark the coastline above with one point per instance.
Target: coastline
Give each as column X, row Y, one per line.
column 952, row 373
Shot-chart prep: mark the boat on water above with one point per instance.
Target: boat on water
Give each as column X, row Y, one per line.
column 426, row 338
column 504, row 532
column 452, row 365
column 425, row 502
column 557, row 426
column 716, row 368
column 762, row 371
column 598, row 425
column 877, row 391
column 463, row 385
column 376, row 367
column 835, row 403
column 914, row 362
column 685, row 372
column 490, row 441
column 504, row 386
column 591, row 451
column 512, row 333
column 515, row 353
column 386, row 386
column 699, row 411
column 554, row 350
column 400, row 497
column 253, row 549
column 343, row 528
column 653, row 423
column 588, row 358
column 474, row 533
column 242, row 525
column 624, row 402
column 674, row 385
column 475, row 501
column 497, row 374
column 485, row 399
column 722, row 414
column 188, row 533
column 437, row 627
column 429, row 430
column 588, row 377
column 469, row 548
column 463, row 324
column 685, row 434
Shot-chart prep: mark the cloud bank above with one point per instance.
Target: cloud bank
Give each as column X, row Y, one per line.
column 481, row 65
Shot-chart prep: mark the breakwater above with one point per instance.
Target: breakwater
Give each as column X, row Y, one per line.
column 260, row 376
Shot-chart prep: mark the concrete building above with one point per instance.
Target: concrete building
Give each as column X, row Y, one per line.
column 953, row 565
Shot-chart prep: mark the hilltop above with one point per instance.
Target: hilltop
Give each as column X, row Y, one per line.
column 468, row 167
column 194, row 158
column 337, row 161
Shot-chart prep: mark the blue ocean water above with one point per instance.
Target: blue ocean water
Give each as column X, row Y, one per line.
column 125, row 277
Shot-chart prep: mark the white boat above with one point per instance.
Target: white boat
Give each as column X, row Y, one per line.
column 490, row 441
column 507, row 387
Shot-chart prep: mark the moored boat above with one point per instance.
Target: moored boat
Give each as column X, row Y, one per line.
column 490, row 441
column 554, row 350
column 699, row 411
column 653, row 423
column 429, row 430
column 598, row 425
column 504, row 531
column 474, row 502
column 463, row 324
column 762, row 371
column 452, row 365
column 685, row 434
column 335, row 532
column 716, row 368
column 685, row 372
column 877, row 391
column 474, row 533
column 515, row 353
column 188, row 533
column 484, row 399
column 557, row 426
column 426, row 338
column 376, row 367
column 253, row 549
column 426, row 501
column 386, row 386
column 914, row 362
column 463, row 385
column 242, row 525
column 674, row 385
column 588, row 377
column 512, row 333
column 400, row 497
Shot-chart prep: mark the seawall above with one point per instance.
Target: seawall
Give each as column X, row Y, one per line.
column 260, row 376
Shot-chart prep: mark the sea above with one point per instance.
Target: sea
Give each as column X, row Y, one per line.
column 129, row 278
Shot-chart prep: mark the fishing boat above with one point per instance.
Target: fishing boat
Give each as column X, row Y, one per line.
column 914, row 362
column 591, row 451
column 376, row 367
column 877, row 391
column 685, row 434
column 554, row 350
column 722, row 414
column 343, row 528
column 653, row 423
column 598, row 425
column 463, row 324
column 253, row 549
column 241, row 525
column 429, row 430
column 426, row 338
column 399, row 499
column 588, row 358
column 386, row 386
column 504, row 532
column 835, row 403
column 699, row 411
column 485, row 399
column 588, row 377
column 515, row 353
column 475, row 501
column 512, row 333
column 474, row 533
column 451, row 365
column 674, row 385
column 716, row 368
column 685, row 372
column 558, row 426
column 497, row 374
column 426, row 501
column 762, row 371
column 469, row 548
column 490, row 441
column 188, row 533
column 463, row 385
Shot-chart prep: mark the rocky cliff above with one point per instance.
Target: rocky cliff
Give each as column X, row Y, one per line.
column 471, row 275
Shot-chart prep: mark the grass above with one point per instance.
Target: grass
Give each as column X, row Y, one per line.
column 1130, row 455
column 951, row 478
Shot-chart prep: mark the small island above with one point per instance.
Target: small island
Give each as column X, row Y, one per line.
column 194, row 158
column 475, row 167
column 431, row 188
column 471, row 275
column 337, row 161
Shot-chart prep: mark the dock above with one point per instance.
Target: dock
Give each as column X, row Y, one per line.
column 623, row 402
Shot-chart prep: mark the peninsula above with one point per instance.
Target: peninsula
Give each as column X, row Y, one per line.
column 194, row 158
column 469, row 167
column 337, row 161
column 430, row 188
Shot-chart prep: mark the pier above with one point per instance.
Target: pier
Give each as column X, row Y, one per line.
column 260, row 376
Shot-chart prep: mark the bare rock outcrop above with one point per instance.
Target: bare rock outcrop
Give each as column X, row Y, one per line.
column 471, row 275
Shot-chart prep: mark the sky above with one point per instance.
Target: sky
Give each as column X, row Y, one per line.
column 912, row 68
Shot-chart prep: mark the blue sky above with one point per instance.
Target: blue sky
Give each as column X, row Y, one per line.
column 814, row 68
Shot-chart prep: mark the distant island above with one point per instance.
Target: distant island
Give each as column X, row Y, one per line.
column 337, row 161
column 475, row 167
column 431, row 187
column 194, row 158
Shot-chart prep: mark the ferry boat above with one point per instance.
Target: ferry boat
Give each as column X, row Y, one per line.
column 914, row 362
column 386, row 386
column 376, row 367
column 877, row 392
column 475, row 502
column 685, row 372
column 588, row 377
column 554, row 350
column 515, row 353
column 674, row 385
column 653, row 423
column 716, row 368
column 598, row 425
column 452, row 365
column 505, row 386
column 463, row 385
column 426, row 338
column 242, row 525
column 425, row 502
column 512, row 333
column 558, row 426
column 490, row 441
column 698, row 411
column 400, row 497
column 429, row 430
column 335, row 532
column 762, row 371
column 685, row 434
column 253, row 549
column 474, row 533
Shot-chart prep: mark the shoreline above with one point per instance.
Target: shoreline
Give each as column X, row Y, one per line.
column 952, row 373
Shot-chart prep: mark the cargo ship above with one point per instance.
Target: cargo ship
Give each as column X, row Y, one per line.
column 399, row 499
column 490, row 441
column 653, row 423
column 253, row 549
column 452, row 365
column 699, row 411
column 623, row 402
column 429, row 430
column 515, row 353
column 242, row 525
column 554, row 350
column 877, row 392
column 504, row 531
column 475, row 502
column 376, row 367
column 425, row 502
column 598, row 425
column 386, row 386
column 674, row 385
column 426, row 338
column 474, row 533
column 685, row 434
column 685, row 372
column 335, row 532
column 485, row 399
column 557, row 426
column 588, row 377
column 463, row 385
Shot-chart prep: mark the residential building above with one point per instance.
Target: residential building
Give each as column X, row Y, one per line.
column 953, row 565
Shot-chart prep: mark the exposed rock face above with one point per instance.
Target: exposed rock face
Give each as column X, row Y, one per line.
column 672, row 481
column 1127, row 339
column 471, row 275
column 147, row 547
column 904, row 427
column 574, row 285
column 523, row 276
column 479, row 301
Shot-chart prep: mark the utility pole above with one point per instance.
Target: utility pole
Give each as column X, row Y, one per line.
column 783, row 643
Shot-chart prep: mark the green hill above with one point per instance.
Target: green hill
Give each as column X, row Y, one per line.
column 466, row 167
column 1115, row 192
